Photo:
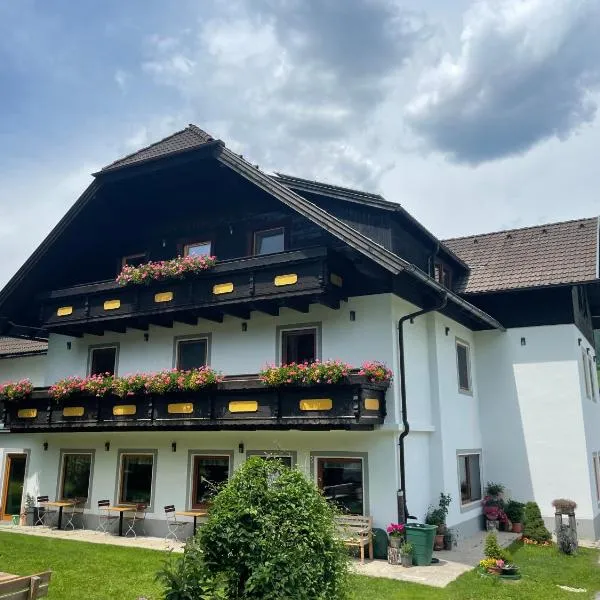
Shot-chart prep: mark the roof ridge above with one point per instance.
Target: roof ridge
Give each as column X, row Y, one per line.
column 528, row 227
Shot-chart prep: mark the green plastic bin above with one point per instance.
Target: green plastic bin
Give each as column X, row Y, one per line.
column 421, row 536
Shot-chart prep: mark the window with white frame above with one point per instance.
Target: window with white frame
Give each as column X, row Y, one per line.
column 75, row 475
column 299, row 344
column 197, row 249
column 191, row 353
column 341, row 479
column 469, row 473
column 463, row 366
column 103, row 360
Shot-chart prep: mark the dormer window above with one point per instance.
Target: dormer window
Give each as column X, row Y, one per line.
column 269, row 241
column 442, row 274
column 134, row 260
column 198, row 249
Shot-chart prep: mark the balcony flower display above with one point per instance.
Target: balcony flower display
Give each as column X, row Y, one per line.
column 326, row 372
column 94, row 385
column 176, row 268
column 375, row 372
column 14, row 391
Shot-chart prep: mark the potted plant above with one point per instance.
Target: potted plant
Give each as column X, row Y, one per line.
column 406, row 554
column 437, row 516
column 514, row 513
column 396, row 534
column 30, row 510
column 448, row 539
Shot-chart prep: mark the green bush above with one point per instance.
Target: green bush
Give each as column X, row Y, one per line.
column 514, row 511
column 494, row 550
column 533, row 527
column 271, row 535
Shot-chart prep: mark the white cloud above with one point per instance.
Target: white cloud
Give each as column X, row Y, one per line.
column 121, row 78
column 525, row 72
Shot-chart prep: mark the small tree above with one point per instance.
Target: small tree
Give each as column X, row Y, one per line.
column 494, row 550
column 534, row 528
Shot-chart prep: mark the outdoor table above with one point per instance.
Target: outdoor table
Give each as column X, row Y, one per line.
column 122, row 510
column 7, row 576
column 192, row 513
column 60, row 504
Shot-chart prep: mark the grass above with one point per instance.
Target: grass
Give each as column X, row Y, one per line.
column 99, row 572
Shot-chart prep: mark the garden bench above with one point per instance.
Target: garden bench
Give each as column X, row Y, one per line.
column 24, row 588
column 356, row 530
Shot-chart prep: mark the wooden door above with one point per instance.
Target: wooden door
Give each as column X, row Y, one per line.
column 12, row 488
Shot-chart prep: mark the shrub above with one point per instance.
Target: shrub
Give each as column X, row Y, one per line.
column 272, row 535
column 494, row 489
column 514, row 511
column 534, row 528
column 494, row 550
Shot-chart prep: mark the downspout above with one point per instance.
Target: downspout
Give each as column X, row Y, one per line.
column 402, row 505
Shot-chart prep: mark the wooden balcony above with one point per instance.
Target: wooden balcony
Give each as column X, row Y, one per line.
column 292, row 279
column 238, row 403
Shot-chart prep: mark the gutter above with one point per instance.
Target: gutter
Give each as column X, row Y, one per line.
column 403, row 513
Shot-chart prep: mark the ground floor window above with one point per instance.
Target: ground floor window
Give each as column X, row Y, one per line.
column 469, row 471
column 342, row 482
column 596, row 459
column 75, row 475
column 136, row 478
column 209, row 472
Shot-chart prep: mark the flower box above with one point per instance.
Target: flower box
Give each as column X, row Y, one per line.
column 180, row 407
column 133, row 410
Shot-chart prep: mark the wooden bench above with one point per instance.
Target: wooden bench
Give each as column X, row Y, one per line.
column 355, row 530
column 25, row 588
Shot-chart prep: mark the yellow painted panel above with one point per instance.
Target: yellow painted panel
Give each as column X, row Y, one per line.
column 124, row 409
column 223, row 288
column 64, row 311
column 288, row 279
column 163, row 297
column 112, row 304
column 371, row 403
column 336, row 280
column 239, row 406
column 27, row 413
column 180, row 408
column 316, row 404
column 73, row 411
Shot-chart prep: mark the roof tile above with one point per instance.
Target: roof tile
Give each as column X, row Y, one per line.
column 9, row 346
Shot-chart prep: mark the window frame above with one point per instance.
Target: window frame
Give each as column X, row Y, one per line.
column 186, row 247
column 471, row 504
column 596, row 470
column 61, row 472
column 191, row 338
column 592, row 376
column 143, row 255
column 292, row 454
column 93, row 348
column 280, row 330
column 119, row 478
column 193, row 483
column 440, row 271
column 336, row 455
column 190, row 469
column 586, row 374
column 281, row 228
column 460, row 342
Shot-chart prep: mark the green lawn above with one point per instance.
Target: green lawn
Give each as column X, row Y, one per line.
column 99, row 572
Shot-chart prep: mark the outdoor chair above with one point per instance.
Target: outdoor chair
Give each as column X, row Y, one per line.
column 44, row 514
column 106, row 520
column 136, row 518
column 75, row 514
column 173, row 524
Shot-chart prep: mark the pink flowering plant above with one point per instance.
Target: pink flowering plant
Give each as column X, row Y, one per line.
column 176, row 268
column 94, row 385
column 375, row 371
column 14, row 391
column 396, row 530
column 327, row 372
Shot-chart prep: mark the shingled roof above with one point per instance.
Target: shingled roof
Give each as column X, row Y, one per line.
column 19, row 347
column 545, row 255
column 180, row 141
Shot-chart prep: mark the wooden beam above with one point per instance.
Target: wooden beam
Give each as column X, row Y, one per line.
column 328, row 301
column 161, row 321
column 237, row 311
column 138, row 324
column 186, row 319
column 211, row 315
column 302, row 306
column 268, row 308
column 116, row 327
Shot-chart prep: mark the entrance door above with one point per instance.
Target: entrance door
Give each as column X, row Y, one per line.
column 12, row 492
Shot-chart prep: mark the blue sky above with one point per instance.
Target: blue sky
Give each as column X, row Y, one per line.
column 475, row 116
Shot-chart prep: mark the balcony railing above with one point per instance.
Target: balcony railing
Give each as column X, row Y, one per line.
column 239, row 402
column 264, row 283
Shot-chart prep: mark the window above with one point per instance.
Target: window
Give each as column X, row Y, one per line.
column 470, row 477
column 197, row 249
column 587, row 375
column 442, row 274
column 269, row 241
column 596, row 461
column 136, row 478
column 463, row 366
column 75, row 476
column 209, row 472
column 103, row 360
column 341, row 481
column 134, row 260
column 592, row 376
column 191, row 353
column 299, row 345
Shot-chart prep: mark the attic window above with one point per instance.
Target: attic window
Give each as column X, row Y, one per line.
column 197, row 249
column 442, row 274
column 133, row 260
column 269, row 241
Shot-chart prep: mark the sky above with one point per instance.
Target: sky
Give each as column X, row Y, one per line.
column 474, row 116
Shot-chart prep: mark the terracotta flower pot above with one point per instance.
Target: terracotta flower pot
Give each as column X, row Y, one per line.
column 517, row 527
column 438, row 544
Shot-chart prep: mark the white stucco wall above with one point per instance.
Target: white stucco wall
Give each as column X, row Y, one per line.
column 32, row 367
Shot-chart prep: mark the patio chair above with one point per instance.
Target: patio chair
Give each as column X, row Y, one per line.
column 137, row 519
column 44, row 514
column 106, row 519
column 75, row 514
column 174, row 525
